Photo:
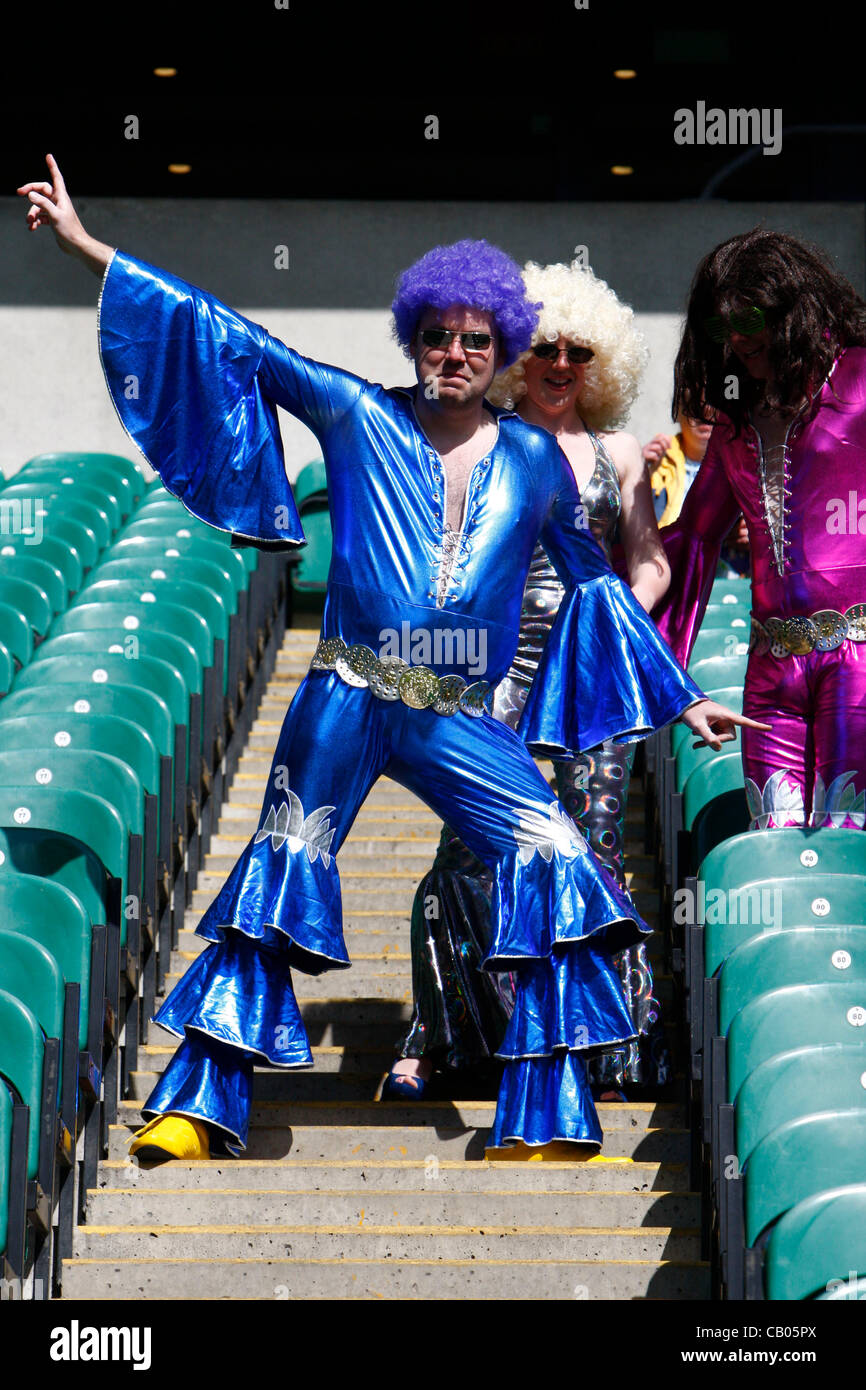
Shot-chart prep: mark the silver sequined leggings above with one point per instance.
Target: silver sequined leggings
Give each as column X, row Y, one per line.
column 594, row 790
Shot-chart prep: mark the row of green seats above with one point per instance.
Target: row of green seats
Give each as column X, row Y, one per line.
column 717, row 665
column 782, row 953
column 119, row 697
column 57, row 939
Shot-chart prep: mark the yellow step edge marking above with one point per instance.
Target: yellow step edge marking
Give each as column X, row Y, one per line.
column 385, row 1130
column 658, row 1232
column 380, row 1263
column 383, row 1192
column 612, row 1106
column 467, row 1165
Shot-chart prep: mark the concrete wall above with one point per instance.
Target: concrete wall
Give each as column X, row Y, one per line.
column 331, row 302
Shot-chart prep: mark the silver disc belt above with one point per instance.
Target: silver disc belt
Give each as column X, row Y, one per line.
column 823, row 631
column 392, row 678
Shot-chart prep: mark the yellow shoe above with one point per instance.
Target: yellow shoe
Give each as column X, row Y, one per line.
column 171, row 1136
column 557, row 1151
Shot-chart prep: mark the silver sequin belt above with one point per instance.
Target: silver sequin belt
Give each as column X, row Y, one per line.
column 824, row 631
column 392, row 678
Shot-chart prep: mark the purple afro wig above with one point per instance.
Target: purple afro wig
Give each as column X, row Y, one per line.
column 473, row 273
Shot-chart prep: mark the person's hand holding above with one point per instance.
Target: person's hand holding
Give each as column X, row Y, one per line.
column 716, row 724
column 655, row 451
column 51, row 206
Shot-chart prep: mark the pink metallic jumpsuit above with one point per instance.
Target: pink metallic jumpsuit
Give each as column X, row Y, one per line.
column 805, row 508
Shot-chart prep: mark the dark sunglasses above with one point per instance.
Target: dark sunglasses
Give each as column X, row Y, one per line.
column 577, row 355
column 748, row 323
column 444, row 337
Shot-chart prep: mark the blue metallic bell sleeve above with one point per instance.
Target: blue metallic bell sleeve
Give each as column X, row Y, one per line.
column 196, row 387
column 605, row 672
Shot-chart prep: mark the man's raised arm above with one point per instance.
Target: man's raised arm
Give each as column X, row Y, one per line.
column 52, row 207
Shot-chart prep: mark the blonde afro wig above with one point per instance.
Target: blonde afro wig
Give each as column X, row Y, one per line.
column 584, row 309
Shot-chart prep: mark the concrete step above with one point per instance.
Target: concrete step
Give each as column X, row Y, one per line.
column 407, row 1280
column 385, row 935
column 428, row 1243
column 243, row 817
column 127, row 1179
column 417, row 849
column 372, row 975
column 569, row 1206
column 382, row 1142
column 445, row 1117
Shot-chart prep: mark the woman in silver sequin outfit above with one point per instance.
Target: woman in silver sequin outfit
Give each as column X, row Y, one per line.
column 578, row 381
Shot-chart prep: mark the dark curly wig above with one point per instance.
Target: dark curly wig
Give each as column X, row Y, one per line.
column 473, row 273
column 811, row 310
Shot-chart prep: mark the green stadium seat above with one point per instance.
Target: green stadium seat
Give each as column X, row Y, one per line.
column 311, row 482
column 792, row 956
column 688, row 758
column 183, row 570
column 113, row 476
column 801, row 1160
column 802, row 1081
column 772, row 961
column 22, row 1050
column 198, row 599
column 52, row 915
column 135, row 616
column 16, row 634
column 195, row 598
column 77, row 533
column 115, row 464
column 794, row 1016
column 731, row 617
column 60, row 553
column 76, row 839
column 313, row 561
column 726, row 644
column 31, row 975
column 165, row 646
column 713, row 672
column 784, row 853
column 31, row 1071
column 819, row 1246
column 310, row 572
column 87, row 503
column 113, row 491
column 132, row 646
column 134, row 541
column 30, row 601
column 195, row 559
column 804, row 899
column 90, row 734
column 39, row 572
column 146, row 673
column 7, row 669
column 5, row 1163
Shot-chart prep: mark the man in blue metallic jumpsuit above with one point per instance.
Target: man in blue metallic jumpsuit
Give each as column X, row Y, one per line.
column 437, row 500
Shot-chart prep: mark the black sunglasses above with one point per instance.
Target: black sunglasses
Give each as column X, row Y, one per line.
column 444, row 337
column 577, row 355
column 748, row 323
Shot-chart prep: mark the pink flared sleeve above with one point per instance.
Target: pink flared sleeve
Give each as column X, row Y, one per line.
column 693, row 545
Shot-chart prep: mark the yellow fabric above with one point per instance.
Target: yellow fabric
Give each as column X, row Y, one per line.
column 669, row 475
